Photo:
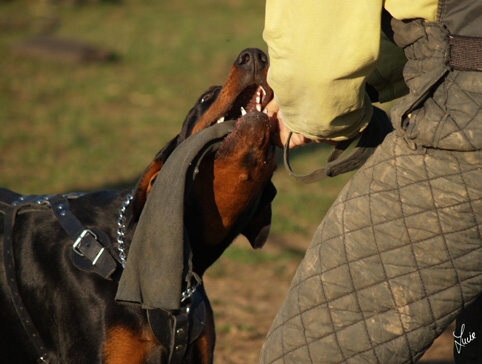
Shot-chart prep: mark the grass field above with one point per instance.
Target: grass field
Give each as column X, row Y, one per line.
column 67, row 126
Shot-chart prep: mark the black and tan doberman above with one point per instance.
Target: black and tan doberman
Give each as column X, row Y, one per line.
column 51, row 311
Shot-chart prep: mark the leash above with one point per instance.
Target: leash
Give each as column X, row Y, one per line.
column 378, row 127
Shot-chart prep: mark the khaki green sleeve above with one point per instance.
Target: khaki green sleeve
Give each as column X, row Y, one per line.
column 387, row 78
column 321, row 52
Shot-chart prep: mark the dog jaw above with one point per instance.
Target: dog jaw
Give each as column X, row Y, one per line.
column 229, row 180
column 246, row 104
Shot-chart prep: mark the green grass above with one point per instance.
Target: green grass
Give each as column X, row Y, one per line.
column 67, row 127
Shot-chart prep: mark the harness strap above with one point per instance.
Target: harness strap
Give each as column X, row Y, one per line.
column 89, row 249
column 10, row 213
column 465, row 53
column 174, row 335
column 183, row 326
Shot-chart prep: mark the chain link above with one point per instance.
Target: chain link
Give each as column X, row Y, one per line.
column 121, row 226
column 189, row 292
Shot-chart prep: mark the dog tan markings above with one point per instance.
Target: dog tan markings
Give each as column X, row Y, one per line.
column 241, row 162
column 127, row 346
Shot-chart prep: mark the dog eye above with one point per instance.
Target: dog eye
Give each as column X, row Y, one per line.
column 206, row 98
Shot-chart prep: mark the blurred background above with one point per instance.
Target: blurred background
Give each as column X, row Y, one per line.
column 91, row 90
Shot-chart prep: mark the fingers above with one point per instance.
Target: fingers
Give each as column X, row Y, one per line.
column 296, row 140
column 272, row 108
column 281, row 132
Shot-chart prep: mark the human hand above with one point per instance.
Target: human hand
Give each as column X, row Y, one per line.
column 281, row 132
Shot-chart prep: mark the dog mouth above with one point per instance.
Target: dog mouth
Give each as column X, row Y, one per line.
column 251, row 136
column 252, row 98
column 249, row 108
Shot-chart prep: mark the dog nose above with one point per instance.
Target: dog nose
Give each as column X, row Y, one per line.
column 253, row 59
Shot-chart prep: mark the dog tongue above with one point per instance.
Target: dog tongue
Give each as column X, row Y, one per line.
column 159, row 260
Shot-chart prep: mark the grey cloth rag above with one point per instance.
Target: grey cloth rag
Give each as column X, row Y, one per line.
column 160, row 256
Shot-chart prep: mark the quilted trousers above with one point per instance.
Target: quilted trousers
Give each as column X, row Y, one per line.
column 392, row 264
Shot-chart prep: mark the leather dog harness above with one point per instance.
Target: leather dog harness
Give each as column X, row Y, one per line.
column 10, row 210
column 91, row 252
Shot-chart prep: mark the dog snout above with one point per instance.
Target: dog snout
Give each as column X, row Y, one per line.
column 253, row 60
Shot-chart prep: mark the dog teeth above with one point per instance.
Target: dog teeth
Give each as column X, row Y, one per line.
column 260, row 95
column 220, row 120
column 243, row 111
column 263, row 91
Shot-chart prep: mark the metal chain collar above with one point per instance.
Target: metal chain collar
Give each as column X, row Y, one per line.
column 189, row 292
column 121, row 226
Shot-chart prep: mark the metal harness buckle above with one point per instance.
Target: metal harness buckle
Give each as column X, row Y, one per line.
column 77, row 242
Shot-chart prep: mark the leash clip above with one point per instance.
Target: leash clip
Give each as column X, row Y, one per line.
column 77, row 242
column 189, row 292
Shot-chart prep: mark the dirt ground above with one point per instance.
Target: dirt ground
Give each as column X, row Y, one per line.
column 246, row 296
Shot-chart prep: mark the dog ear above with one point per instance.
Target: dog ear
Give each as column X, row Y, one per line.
column 257, row 229
column 147, row 179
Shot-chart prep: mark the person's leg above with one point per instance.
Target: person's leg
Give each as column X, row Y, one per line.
column 391, row 265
